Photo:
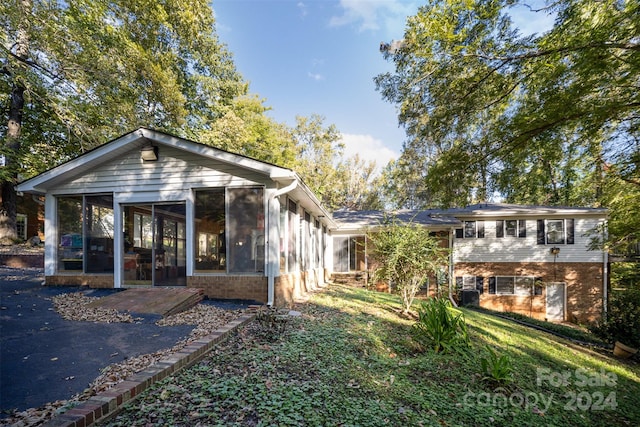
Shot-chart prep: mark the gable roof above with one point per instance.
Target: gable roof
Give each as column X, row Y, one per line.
column 141, row 137
column 358, row 220
column 354, row 221
column 138, row 139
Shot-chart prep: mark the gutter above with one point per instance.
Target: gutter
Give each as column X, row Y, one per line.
column 270, row 272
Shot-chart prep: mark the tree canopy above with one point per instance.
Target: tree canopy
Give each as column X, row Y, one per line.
column 75, row 74
column 535, row 118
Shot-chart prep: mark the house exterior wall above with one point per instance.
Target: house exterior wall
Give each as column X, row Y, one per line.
column 231, row 287
column 99, row 281
column 584, row 287
column 292, row 286
column 517, row 249
column 580, row 268
column 174, row 179
column 175, row 171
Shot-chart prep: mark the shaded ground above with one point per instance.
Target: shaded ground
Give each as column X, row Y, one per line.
column 44, row 358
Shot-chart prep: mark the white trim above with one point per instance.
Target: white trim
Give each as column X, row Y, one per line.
column 118, row 245
column 51, row 235
column 190, row 236
column 162, row 196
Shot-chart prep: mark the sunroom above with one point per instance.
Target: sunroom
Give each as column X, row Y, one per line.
column 151, row 209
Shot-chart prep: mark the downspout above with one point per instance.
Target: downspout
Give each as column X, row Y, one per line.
column 605, row 276
column 270, row 270
column 451, row 278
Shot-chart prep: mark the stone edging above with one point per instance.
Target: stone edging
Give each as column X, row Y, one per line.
column 109, row 402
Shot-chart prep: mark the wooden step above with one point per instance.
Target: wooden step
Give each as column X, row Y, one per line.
column 163, row 301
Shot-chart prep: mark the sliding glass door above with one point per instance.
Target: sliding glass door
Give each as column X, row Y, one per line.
column 155, row 245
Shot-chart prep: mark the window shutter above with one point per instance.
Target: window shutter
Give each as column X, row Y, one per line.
column 480, row 225
column 479, row 284
column 459, row 233
column 570, row 231
column 499, row 228
column 458, row 282
column 522, row 228
column 537, row 286
column 541, row 240
column 492, row 285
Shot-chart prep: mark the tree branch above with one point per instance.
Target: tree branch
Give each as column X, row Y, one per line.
column 546, row 52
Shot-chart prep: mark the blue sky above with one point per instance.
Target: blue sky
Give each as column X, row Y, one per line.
column 320, row 57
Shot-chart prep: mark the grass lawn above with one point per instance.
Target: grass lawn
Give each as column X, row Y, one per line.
column 349, row 360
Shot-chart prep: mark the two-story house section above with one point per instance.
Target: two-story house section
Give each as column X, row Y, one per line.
column 533, row 260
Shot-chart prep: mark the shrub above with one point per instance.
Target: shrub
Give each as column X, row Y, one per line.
column 440, row 326
column 623, row 319
column 496, row 368
column 405, row 254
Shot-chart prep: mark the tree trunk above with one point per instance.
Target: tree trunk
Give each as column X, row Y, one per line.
column 11, row 150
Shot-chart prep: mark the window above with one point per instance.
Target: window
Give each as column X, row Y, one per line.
column 464, row 283
column 306, row 241
column 514, row 285
column 504, row 285
column 245, row 228
column 292, row 243
column 283, row 238
column 21, row 226
column 511, row 228
column 471, row 229
column 468, row 282
column 99, row 227
column 556, row 232
column 210, row 223
column 85, row 232
column 70, row 233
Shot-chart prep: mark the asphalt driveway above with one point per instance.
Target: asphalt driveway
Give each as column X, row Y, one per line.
column 44, row 358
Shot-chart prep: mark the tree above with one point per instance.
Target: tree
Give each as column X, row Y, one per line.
column 532, row 117
column 75, row 74
column 318, row 152
column 244, row 128
column 356, row 184
column 405, row 254
column 12, row 146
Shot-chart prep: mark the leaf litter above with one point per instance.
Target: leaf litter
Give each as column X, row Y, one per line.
column 75, row 306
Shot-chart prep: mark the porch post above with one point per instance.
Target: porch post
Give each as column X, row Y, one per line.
column 118, row 244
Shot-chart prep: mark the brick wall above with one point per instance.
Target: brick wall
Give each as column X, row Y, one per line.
column 583, row 280
column 291, row 286
column 231, row 287
column 104, row 281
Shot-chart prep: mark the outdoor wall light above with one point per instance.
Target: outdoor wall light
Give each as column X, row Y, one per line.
column 149, row 153
column 555, row 250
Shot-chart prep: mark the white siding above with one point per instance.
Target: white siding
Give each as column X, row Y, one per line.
column 515, row 249
column 175, row 170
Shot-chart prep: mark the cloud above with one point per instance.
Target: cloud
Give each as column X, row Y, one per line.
column 315, row 76
column 531, row 22
column 368, row 148
column 304, row 10
column 389, row 15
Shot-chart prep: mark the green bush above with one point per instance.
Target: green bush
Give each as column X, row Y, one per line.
column 623, row 319
column 496, row 368
column 440, row 326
